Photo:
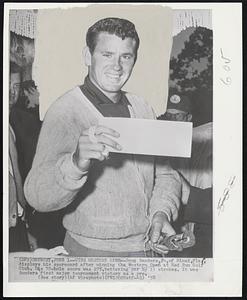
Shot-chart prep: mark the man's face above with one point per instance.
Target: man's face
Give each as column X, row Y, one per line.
column 178, row 115
column 111, row 63
column 22, row 53
column 14, row 89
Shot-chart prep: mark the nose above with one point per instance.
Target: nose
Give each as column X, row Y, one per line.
column 172, row 117
column 12, row 91
column 117, row 64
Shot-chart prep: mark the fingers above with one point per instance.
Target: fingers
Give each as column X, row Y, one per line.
column 156, row 237
column 105, row 130
column 90, row 154
column 89, row 148
column 29, row 90
column 168, row 229
column 159, row 222
column 32, row 90
column 98, row 151
column 155, row 232
column 32, row 95
column 157, row 228
column 161, row 249
column 101, row 138
column 183, row 228
column 94, row 147
column 26, row 92
column 86, row 151
column 160, row 227
column 109, row 142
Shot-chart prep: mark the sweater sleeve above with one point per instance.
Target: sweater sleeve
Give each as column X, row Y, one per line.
column 54, row 180
column 167, row 190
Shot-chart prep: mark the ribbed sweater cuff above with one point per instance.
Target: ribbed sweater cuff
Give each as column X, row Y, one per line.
column 72, row 170
column 72, row 176
column 153, row 212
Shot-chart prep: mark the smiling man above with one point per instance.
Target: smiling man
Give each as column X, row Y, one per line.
column 115, row 203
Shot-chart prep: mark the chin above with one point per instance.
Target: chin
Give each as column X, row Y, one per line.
column 114, row 86
column 113, row 89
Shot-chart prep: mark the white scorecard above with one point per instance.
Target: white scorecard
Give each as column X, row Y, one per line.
column 151, row 137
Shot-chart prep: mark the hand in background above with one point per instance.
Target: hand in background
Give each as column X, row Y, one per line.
column 33, row 97
column 185, row 190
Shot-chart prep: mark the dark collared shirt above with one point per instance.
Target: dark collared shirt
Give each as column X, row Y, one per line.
column 103, row 103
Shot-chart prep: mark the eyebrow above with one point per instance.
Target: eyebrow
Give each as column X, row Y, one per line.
column 110, row 52
column 128, row 53
column 105, row 51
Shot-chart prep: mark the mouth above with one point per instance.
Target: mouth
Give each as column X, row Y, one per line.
column 113, row 76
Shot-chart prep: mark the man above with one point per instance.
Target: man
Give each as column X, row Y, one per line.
column 196, row 176
column 25, row 121
column 197, row 169
column 18, row 240
column 26, row 124
column 179, row 108
column 22, row 53
column 113, row 205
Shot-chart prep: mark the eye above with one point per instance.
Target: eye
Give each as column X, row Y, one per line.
column 127, row 57
column 108, row 55
column 17, row 85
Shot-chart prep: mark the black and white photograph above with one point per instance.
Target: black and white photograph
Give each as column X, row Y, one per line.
column 114, row 122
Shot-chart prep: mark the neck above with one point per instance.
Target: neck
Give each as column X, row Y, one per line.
column 114, row 97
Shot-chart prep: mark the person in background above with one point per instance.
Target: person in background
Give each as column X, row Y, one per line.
column 24, row 116
column 179, row 108
column 197, row 169
column 115, row 203
column 25, row 120
column 22, row 53
column 196, row 176
column 18, row 238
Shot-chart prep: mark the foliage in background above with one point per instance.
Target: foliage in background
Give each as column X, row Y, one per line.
column 191, row 73
column 192, row 68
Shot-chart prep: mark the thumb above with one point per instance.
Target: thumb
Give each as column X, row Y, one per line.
column 155, row 232
column 168, row 229
column 26, row 93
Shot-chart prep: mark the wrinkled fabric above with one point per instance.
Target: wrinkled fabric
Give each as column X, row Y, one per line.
column 116, row 198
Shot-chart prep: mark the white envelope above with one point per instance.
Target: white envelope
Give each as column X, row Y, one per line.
column 151, row 137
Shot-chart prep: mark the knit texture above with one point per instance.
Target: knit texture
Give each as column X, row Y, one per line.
column 117, row 198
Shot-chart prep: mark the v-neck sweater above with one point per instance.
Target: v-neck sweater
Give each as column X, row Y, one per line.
column 110, row 207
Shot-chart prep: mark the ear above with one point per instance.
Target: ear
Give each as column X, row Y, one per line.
column 87, row 56
column 189, row 117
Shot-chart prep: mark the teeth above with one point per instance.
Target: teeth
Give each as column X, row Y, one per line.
column 114, row 76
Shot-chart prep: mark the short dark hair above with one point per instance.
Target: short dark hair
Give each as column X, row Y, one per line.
column 120, row 27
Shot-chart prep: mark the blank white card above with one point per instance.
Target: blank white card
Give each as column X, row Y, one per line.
column 151, row 137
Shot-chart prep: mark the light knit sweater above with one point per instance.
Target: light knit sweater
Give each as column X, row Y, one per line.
column 110, row 207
